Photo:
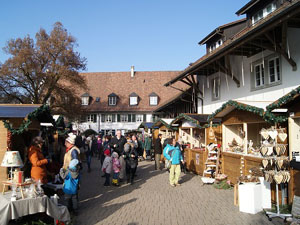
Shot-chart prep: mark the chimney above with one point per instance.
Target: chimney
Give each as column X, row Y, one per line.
column 132, row 71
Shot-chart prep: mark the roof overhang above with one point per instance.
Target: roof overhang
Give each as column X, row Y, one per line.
column 282, row 14
column 246, row 7
column 16, row 110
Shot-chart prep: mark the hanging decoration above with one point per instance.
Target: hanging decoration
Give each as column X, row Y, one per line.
column 288, row 48
column 243, row 76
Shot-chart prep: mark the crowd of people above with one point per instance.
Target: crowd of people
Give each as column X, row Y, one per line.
column 118, row 157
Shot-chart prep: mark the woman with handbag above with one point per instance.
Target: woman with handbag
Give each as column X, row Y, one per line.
column 173, row 154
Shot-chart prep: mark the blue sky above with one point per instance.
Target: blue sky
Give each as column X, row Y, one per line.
column 115, row 34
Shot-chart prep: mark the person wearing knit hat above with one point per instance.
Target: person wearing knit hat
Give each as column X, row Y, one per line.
column 71, row 183
column 116, row 168
column 72, row 152
column 107, row 167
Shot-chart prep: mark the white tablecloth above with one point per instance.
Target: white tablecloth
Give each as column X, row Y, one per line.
column 15, row 209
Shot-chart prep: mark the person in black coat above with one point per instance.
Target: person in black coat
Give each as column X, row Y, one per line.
column 117, row 143
column 158, row 152
column 130, row 155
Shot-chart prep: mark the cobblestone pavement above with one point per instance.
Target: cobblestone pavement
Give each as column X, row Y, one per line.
column 151, row 200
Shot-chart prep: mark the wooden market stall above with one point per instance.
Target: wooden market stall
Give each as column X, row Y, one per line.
column 193, row 132
column 164, row 127
column 241, row 125
column 290, row 104
column 18, row 125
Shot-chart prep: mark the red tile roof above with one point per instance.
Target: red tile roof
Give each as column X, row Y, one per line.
column 102, row 84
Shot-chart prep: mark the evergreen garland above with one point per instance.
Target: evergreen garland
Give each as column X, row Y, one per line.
column 165, row 124
column 239, row 106
column 284, row 100
column 194, row 121
column 41, row 114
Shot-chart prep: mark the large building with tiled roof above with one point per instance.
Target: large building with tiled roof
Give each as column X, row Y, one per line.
column 123, row 100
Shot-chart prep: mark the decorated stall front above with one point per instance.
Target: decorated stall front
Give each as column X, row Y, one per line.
column 18, row 125
column 164, row 127
column 194, row 132
column 241, row 139
column 289, row 106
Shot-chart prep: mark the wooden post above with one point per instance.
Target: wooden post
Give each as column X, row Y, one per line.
column 245, row 138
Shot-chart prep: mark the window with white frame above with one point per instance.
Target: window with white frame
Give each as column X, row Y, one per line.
column 133, row 100
column 139, row 118
column 112, row 100
column 216, row 85
column 124, row 118
column 259, row 72
column 274, row 70
column 84, row 100
column 108, row 118
column 266, row 72
column 91, row 118
column 153, row 100
column 263, row 12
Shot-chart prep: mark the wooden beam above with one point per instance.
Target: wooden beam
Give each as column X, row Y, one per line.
column 196, row 85
column 228, row 71
column 186, row 92
column 280, row 50
column 183, row 81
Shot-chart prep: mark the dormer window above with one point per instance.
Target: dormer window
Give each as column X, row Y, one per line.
column 133, row 99
column 85, row 99
column 263, row 13
column 112, row 99
column 153, row 99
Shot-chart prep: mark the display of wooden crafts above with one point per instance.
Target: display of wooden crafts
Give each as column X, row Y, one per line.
column 273, row 156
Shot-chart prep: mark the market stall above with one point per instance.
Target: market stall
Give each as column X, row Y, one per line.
column 241, row 140
column 19, row 124
column 193, row 130
column 289, row 106
column 164, row 127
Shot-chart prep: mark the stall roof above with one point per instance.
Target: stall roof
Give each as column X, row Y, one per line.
column 231, row 105
column 197, row 119
column 165, row 122
column 16, row 111
column 146, row 125
column 285, row 100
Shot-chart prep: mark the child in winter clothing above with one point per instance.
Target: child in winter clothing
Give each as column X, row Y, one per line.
column 116, row 168
column 71, row 184
column 106, row 167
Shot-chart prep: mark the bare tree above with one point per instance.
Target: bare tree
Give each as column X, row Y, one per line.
column 45, row 70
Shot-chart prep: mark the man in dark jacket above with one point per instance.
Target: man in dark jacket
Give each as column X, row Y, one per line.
column 158, row 152
column 117, row 143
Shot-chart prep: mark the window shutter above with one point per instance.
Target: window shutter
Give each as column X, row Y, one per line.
column 129, row 117
column 144, row 117
column 118, row 118
column 94, row 118
column 133, row 117
column 113, row 118
column 102, row 118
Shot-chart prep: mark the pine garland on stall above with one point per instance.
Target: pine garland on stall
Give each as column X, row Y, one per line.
column 190, row 119
column 41, row 114
column 238, row 106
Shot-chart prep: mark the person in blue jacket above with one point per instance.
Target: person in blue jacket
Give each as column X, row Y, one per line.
column 173, row 154
column 71, row 184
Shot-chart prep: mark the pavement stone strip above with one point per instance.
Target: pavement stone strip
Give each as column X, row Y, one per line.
column 152, row 201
